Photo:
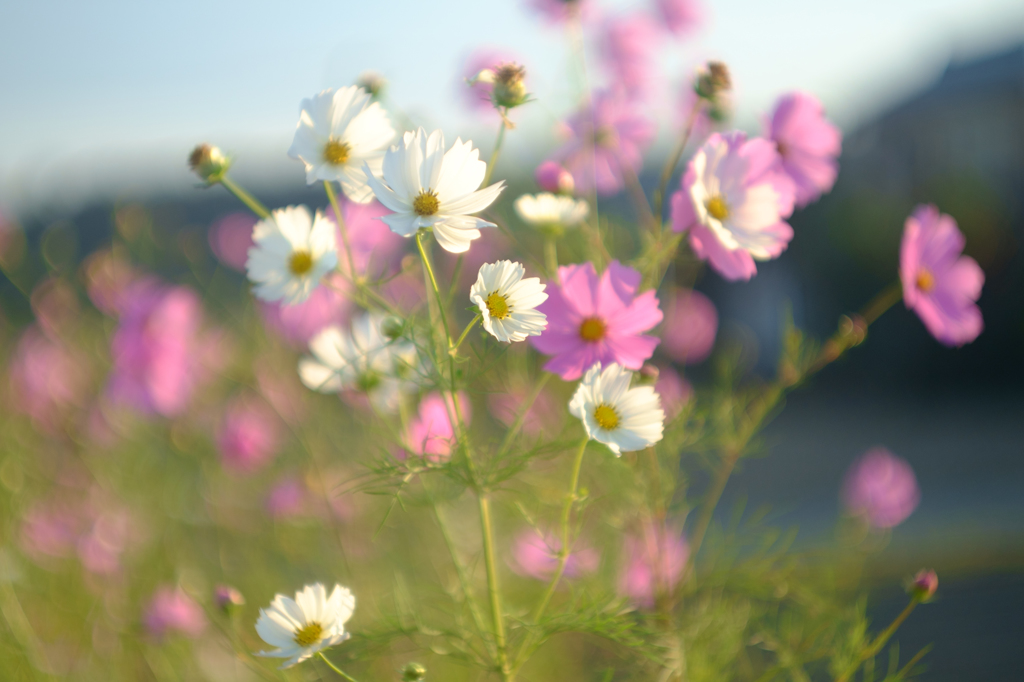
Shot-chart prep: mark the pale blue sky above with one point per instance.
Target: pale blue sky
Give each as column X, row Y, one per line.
column 107, row 96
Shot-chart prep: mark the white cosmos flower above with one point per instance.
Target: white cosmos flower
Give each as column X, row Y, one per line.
column 340, row 133
column 303, row 626
column 428, row 187
column 623, row 418
column 363, row 358
column 551, row 210
column 291, row 253
column 506, row 301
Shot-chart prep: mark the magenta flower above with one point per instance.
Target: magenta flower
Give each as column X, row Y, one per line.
column 681, row 17
column 173, row 611
column 157, row 350
column 655, row 562
column 299, row 323
column 734, row 200
column 249, row 436
column 376, row 250
column 808, row 143
column 882, row 488
column 675, row 391
column 597, row 319
column 478, row 95
column 45, row 378
column 691, row 323
column 627, row 49
column 231, row 238
column 552, row 177
column 536, row 556
column 430, row 433
column 607, row 141
column 561, row 11
column 939, row 284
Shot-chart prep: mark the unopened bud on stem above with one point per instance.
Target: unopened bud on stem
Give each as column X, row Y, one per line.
column 713, row 81
column 922, row 588
column 413, row 672
column 372, row 82
column 208, row 162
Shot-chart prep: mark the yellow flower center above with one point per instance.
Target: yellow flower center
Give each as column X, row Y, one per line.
column 497, row 306
column 606, row 417
column 426, row 203
column 593, row 329
column 925, row 280
column 309, row 634
column 336, row 152
column 717, row 208
column 300, row 263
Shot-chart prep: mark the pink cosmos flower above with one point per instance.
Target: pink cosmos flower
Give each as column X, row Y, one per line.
column 299, row 323
column 231, row 238
column 808, row 143
column 173, row 611
column 287, row 498
column 627, row 49
column 681, row 17
column 939, row 284
column 249, row 436
column 45, row 378
column 675, row 391
column 478, row 95
column 543, row 416
column 655, row 561
column 536, row 556
column 597, row 319
column 734, row 200
column 607, row 140
column 430, row 433
column 157, row 350
column 561, row 11
column 691, row 323
column 552, row 177
column 882, row 488
column 376, row 250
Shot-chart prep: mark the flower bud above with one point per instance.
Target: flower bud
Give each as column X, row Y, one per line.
column 552, row 177
column 227, row 598
column 509, row 86
column 713, row 81
column 413, row 672
column 372, row 82
column 208, row 162
column 922, row 588
column 392, row 327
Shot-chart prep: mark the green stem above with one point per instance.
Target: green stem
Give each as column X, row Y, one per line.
column 249, row 200
column 336, row 668
column 465, row 332
column 494, row 154
column 673, row 160
column 551, row 256
column 493, row 588
column 886, row 299
column 339, row 218
column 432, row 281
column 872, row 649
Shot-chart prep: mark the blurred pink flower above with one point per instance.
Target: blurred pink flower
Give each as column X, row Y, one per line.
column 939, row 283
column 552, row 177
column 287, row 498
column 157, row 350
column 407, row 291
column 597, row 319
column 536, row 556
column 675, row 391
column 691, row 323
column 607, row 141
column 655, row 562
column 299, row 323
column 231, row 238
column 45, row 378
column 734, row 200
column 882, row 488
column 561, row 11
column 50, row 530
column 101, row 547
column 376, row 250
column 627, row 49
column 430, row 433
column 172, row 611
column 478, row 95
column 808, row 143
column 681, row 17
column 249, row 435
column 543, row 416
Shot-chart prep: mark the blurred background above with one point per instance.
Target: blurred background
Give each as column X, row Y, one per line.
column 102, row 102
